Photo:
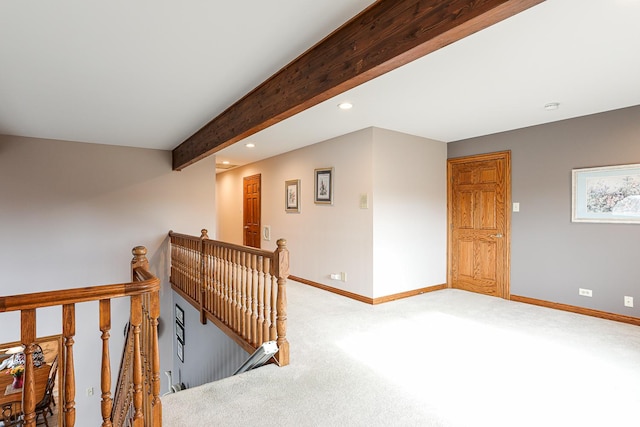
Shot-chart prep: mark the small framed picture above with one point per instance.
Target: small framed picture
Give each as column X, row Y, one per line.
column 180, row 351
column 292, row 195
column 323, row 186
column 179, row 315
column 180, row 332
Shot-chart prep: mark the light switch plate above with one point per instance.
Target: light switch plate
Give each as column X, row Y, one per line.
column 364, row 201
column 516, row 207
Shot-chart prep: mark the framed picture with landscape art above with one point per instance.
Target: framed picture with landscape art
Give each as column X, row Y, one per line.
column 292, row 195
column 606, row 194
column 323, row 186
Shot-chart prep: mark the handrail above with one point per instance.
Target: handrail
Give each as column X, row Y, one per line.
column 143, row 393
column 240, row 289
column 78, row 295
column 245, row 249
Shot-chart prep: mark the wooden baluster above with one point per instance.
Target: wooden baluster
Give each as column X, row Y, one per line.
column 254, row 316
column 220, row 273
column 244, row 320
column 187, row 260
column 182, row 266
column 249, row 318
column 175, row 262
column 232, row 289
column 237, row 295
column 156, row 403
column 68, row 332
column 267, row 299
column 206, row 279
column 28, row 338
column 259, row 336
column 274, row 310
column 223, row 283
column 223, row 275
column 282, row 265
column 105, row 376
column 145, row 340
column 136, row 321
column 178, row 281
column 203, row 280
column 227, row 286
column 216, row 281
column 192, row 268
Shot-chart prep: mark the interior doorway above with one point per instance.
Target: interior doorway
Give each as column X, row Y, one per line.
column 251, row 211
column 479, row 217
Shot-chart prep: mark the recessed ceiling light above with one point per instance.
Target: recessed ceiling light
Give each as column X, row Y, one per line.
column 345, row 105
column 226, row 162
column 552, row 106
column 250, row 145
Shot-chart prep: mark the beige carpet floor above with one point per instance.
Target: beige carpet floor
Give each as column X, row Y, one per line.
column 447, row 358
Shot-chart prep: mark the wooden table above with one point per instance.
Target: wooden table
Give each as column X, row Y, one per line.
column 42, row 374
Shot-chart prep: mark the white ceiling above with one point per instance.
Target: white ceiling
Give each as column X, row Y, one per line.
column 151, row 73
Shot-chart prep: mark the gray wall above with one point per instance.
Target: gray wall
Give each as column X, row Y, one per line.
column 551, row 257
column 209, row 354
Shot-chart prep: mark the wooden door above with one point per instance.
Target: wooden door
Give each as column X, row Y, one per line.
column 479, row 200
column 251, row 211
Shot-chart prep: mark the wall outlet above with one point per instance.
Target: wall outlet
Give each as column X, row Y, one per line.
column 90, row 391
column 628, row 301
column 335, row 276
column 585, row 292
column 343, row 276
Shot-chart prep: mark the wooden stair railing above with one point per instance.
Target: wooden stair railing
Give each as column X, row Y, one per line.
column 141, row 391
column 242, row 290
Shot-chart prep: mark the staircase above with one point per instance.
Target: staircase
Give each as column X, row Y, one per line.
column 137, row 402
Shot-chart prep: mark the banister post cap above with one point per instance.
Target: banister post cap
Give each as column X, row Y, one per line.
column 204, row 234
column 139, row 251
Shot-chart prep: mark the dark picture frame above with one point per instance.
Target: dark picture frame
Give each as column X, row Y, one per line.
column 292, row 196
column 180, row 332
column 180, row 351
column 179, row 315
column 323, row 194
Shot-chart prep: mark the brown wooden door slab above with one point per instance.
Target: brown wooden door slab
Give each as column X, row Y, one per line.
column 479, row 198
column 251, row 211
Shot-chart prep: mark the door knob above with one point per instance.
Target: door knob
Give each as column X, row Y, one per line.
column 496, row 235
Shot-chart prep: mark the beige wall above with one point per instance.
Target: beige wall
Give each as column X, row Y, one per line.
column 70, row 213
column 410, row 212
column 322, row 239
column 326, row 239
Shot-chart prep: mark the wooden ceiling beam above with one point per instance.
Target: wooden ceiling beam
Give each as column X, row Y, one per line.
column 385, row 36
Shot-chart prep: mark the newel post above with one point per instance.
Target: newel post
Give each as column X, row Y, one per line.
column 282, row 272
column 203, row 236
column 139, row 260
